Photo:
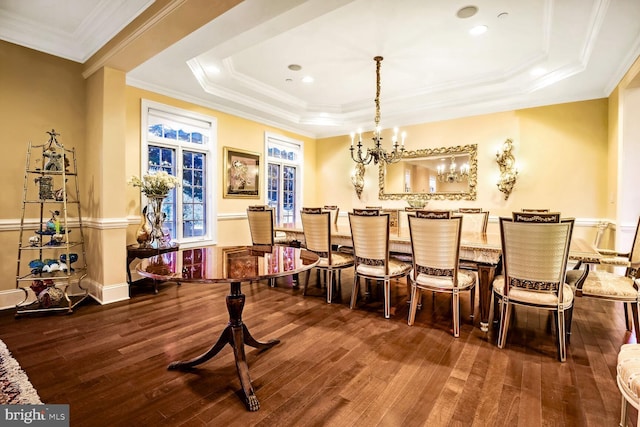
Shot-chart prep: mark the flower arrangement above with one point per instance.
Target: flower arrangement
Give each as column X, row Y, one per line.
column 155, row 184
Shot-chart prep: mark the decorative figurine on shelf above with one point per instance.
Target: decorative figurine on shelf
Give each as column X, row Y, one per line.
column 46, row 187
column 51, row 266
column 72, row 258
column 54, row 162
column 46, row 292
column 36, row 266
column 53, row 225
column 34, row 241
column 59, row 193
column 143, row 235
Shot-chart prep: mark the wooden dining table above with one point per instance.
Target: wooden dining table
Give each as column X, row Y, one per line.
column 480, row 251
column 231, row 265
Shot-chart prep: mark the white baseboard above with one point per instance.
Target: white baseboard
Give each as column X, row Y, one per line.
column 107, row 294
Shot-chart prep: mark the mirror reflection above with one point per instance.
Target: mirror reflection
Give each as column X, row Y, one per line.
column 446, row 173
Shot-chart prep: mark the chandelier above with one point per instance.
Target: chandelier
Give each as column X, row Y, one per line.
column 377, row 153
column 452, row 174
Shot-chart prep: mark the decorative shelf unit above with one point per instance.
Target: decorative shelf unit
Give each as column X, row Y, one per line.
column 51, row 251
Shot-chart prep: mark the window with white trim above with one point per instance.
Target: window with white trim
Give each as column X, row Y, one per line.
column 183, row 144
column 284, row 177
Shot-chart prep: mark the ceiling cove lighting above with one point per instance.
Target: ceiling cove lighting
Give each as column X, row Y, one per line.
column 377, row 153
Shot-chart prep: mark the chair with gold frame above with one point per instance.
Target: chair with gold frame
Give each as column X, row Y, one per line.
column 615, row 287
column 370, row 239
column 534, row 257
column 435, row 247
column 317, row 235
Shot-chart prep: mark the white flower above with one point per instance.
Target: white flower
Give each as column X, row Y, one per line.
column 155, row 183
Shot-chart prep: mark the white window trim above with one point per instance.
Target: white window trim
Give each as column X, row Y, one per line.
column 277, row 138
column 211, row 176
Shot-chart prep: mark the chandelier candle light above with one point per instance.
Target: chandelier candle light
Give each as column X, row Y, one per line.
column 453, row 175
column 377, row 153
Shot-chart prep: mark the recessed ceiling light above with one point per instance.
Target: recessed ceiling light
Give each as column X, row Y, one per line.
column 212, row 69
column 295, row 67
column 467, row 12
column 478, row 29
column 307, row 79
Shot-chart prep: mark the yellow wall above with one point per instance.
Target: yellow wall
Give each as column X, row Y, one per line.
column 561, row 151
column 232, row 132
column 38, row 92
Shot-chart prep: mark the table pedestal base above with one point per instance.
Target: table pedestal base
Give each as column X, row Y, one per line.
column 236, row 335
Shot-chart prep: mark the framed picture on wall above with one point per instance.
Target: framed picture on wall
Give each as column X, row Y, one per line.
column 241, row 174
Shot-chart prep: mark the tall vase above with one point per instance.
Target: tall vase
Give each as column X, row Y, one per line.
column 156, row 219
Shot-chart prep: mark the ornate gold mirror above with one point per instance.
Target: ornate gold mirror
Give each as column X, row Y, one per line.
column 445, row 173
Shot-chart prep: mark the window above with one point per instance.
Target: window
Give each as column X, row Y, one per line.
column 284, row 177
column 182, row 143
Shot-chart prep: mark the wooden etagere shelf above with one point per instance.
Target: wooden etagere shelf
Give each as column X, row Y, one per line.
column 51, row 246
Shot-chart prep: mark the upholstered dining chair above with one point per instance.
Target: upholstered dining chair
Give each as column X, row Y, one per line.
column 261, row 227
column 334, row 210
column 474, row 221
column 317, row 236
column 435, row 247
column 370, row 239
column 615, row 287
column 534, row 257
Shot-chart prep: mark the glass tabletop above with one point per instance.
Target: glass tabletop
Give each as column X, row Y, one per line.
column 225, row 264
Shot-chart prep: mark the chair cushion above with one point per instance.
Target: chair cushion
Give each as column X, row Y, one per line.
column 629, row 368
column 465, row 280
column 545, row 299
column 609, row 285
column 338, row 260
column 396, row 268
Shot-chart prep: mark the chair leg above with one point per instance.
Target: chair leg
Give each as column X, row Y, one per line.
column 354, row 291
column 472, row 301
column 455, row 301
column 306, row 283
column 329, row 286
column 505, row 317
column 636, row 322
column 627, row 319
column 568, row 320
column 415, row 295
column 623, row 413
column 387, row 298
column 561, row 332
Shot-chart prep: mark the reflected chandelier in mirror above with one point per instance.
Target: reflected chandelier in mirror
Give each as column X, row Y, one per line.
column 444, row 173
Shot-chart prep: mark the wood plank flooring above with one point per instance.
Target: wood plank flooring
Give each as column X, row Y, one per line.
column 333, row 367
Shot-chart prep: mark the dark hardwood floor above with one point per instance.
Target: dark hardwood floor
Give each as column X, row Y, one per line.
column 334, row 366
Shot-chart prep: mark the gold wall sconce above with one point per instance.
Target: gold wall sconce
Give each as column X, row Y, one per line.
column 357, row 178
column 508, row 171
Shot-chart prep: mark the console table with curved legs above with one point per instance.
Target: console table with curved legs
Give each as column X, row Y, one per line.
column 232, row 265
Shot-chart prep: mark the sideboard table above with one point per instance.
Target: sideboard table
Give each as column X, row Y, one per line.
column 136, row 252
